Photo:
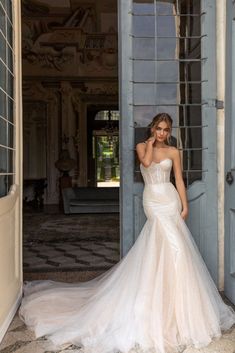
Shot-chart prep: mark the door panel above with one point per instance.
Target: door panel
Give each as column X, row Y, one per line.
column 229, row 216
column 170, row 68
column 10, row 165
column 10, row 257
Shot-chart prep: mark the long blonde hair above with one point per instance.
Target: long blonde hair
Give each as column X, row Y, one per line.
column 158, row 119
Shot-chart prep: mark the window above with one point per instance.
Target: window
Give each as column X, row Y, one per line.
column 7, row 125
column 167, row 61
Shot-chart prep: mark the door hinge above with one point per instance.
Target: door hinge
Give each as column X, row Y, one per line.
column 218, row 104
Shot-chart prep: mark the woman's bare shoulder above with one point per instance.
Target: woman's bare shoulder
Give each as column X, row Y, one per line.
column 141, row 146
column 174, row 151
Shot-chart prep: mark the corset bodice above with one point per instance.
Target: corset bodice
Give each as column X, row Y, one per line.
column 157, row 172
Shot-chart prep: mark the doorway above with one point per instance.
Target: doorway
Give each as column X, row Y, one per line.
column 103, row 146
column 70, row 59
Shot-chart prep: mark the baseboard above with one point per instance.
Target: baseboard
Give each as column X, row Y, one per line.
column 10, row 316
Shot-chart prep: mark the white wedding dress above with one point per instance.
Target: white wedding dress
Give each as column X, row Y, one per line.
column 159, row 298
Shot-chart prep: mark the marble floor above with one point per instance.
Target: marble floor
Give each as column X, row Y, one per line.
column 57, row 242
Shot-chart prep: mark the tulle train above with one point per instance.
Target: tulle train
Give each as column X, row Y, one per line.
column 159, row 298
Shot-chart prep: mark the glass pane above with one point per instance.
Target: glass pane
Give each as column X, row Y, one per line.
column 9, row 33
column 193, row 115
column 106, row 154
column 184, row 157
column 141, row 134
column 2, row 48
column 190, row 71
column 10, row 155
column 10, row 181
column 10, row 115
column 2, row 76
column 166, row 26
column 143, row 48
column 3, row 185
column 193, row 177
column 191, row 137
column 167, row 93
column 144, row 71
column 3, row 132
column 143, row 115
column 3, row 160
column 167, row 48
column 108, row 115
column 2, row 21
column 10, row 142
column 190, row 7
column 195, row 160
column 9, row 9
column 6, row 105
column 190, row 48
column 141, row 7
column 167, row 71
column 190, row 93
column 165, row 8
column 9, row 59
column 10, row 84
column 2, row 104
column 190, row 26
column 144, row 94
column 143, row 26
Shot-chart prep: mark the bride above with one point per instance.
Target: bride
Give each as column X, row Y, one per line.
column 159, row 298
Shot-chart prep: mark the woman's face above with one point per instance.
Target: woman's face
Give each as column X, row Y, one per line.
column 161, row 131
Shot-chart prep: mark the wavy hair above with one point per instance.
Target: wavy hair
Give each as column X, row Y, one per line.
column 158, row 119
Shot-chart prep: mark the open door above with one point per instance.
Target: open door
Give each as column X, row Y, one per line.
column 229, row 215
column 167, row 52
column 10, row 163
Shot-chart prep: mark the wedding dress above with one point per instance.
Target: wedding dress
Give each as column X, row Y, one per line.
column 159, row 298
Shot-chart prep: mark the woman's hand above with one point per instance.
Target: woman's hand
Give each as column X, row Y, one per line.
column 184, row 213
column 151, row 140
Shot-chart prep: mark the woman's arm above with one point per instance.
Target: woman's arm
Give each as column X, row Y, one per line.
column 145, row 152
column 180, row 183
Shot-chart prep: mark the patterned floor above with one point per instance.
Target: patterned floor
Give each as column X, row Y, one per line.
column 76, row 255
column 57, row 242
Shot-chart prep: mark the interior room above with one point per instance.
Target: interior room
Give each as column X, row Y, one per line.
column 71, row 137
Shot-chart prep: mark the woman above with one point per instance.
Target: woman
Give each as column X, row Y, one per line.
column 159, row 298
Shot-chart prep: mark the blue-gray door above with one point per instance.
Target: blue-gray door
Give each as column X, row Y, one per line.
column 167, row 63
column 229, row 216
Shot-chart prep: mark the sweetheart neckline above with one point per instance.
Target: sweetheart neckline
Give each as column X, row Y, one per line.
column 162, row 161
column 158, row 163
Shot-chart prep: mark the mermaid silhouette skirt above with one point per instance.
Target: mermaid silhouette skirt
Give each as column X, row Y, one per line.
column 159, row 298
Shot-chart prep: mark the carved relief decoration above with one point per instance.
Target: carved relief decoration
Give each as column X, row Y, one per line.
column 68, row 41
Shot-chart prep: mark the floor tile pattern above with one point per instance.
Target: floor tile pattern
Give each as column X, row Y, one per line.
column 57, row 242
column 75, row 255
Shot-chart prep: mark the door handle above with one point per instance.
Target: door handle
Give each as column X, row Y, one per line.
column 229, row 178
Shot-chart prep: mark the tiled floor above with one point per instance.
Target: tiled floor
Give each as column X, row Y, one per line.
column 57, row 242
column 76, row 255
column 20, row 340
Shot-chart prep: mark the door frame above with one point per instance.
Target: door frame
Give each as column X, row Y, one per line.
column 229, row 155
column 11, row 205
